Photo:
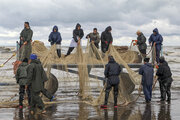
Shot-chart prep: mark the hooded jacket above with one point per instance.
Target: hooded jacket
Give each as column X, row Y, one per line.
column 36, row 76
column 141, row 42
column 21, row 74
column 112, row 71
column 164, row 71
column 147, row 72
column 106, row 37
column 55, row 37
column 78, row 33
column 156, row 38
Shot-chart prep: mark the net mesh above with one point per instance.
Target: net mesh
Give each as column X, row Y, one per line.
column 91, row 55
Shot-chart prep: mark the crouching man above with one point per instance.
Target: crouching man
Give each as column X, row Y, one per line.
column 164, row 77
column 36, row 78
column 112, row 72
column 21, row 78
column 147, row 72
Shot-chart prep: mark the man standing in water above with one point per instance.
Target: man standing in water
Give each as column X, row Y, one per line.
column 112, row 72
column 164, row 76
column 156, row 39
column 36, row 78
column 55, row 38
column 147, row 72
column 106, row 39
column 77, row 36
column 141, row 42
column 25, row 40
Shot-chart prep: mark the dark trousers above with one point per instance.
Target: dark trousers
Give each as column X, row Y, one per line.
column 36, row 101
column 166, row 86
column 22, row 93
column 147, row 89
column 108, row 89
column 70, row 50
column 59, row 52
column 158, row 50
column 104, row 47
column 161, row 89
column 143, row 52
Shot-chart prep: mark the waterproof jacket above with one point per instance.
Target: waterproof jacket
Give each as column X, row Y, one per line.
column 78, row 33
column 26, row 34
column 94, row 37
column 147, row 72
column 21, row 74
column 112, row 71
column 106, row 37
column 141, row 42
column 156, row 38
column 55, row 37
column 36, row 76
column 164, row 71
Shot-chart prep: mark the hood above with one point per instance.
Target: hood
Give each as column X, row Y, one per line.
column 23, row 64
column 112, row 60
column 37, row 61
column 149, row 64
column 78, row 25
column 165, row 63
column 55, row 28
column 108, row 28
column 156, row 31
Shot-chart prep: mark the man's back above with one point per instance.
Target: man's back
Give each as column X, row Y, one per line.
column 147, row 72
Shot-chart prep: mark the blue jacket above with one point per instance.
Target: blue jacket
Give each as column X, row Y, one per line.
column 147, row 72
column 156, row 38
column 55, row 37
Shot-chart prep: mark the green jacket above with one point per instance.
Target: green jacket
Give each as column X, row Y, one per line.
column 95, row 38
column 26, row 34
column 21, row 74
column 36, row 76
column 141, row 42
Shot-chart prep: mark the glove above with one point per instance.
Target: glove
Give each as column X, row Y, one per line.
column 136, row 41
column 134, row 44
column 157, row 67
column 111, row 42
column 106, row 42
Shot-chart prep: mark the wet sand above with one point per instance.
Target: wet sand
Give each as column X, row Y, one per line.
column 71, row 109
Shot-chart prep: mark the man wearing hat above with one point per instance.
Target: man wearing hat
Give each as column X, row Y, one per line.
column 147, row 72
column 36, row 78
column 164, row 76
column 25, row 40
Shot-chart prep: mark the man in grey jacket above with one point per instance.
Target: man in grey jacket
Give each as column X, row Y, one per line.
column 141, row 42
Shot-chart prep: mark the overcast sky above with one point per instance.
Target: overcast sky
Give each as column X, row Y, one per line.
column 125, row 17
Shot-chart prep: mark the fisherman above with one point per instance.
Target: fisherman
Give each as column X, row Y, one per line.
column 147, row 72
column 165, row 79
column 36, row 78
column 55, row 38
column 141, row 42
column 112, row 72
column 94, row 39
column 21, row 79
column 77, row 36
column 156, row 39
column 106, row 39
column 25, row 42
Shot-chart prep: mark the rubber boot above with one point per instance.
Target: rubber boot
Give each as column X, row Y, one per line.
column 69, row 51
column 59, row 52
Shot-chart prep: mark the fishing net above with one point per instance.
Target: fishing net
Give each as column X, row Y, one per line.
column 91, row 56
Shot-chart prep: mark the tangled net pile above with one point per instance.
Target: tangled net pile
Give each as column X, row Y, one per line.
column 127, row 80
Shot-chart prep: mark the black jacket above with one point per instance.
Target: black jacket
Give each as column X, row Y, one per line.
column 106, row 36
column 112, row 71
column 164, row 71
column 78, row 33
column 141, row 42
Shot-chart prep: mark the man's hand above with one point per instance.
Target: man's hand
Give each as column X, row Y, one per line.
column 79, row 41
column 21, row 38
column 25, row 42
column 154, row 43
column 26, row 87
